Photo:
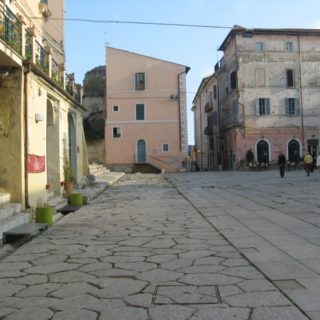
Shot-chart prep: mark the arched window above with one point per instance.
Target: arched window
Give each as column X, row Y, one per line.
column 263, row 151
column 294, row 150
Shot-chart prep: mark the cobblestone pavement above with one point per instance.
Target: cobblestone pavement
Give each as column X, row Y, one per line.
column 144, row 250
column 273, row 222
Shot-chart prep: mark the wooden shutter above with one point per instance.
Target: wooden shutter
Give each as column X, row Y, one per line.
column 140, row 112
column 286, row 102
column 258, row 107
column 267, row 101
column 297, row 106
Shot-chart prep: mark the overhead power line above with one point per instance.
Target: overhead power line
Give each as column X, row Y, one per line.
column 163, row 24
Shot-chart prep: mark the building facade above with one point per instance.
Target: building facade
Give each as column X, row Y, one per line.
column 268, row 95
column 146, row 112
column 205, row 108
column 40, row 109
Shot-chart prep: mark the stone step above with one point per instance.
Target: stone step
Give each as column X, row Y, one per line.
column 9, row 209
column 4, row 198
column 97, row 169
column 14, row 221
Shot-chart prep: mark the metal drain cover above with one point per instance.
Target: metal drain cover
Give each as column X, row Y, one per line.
column 169, row 294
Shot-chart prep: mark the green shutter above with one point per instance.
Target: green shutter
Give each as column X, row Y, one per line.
column 140, row 112
column 297, row 106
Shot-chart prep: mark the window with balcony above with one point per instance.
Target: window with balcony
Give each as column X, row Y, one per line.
column 262, row 106
column 292, row 106
column 140, row 81
column 140, row 111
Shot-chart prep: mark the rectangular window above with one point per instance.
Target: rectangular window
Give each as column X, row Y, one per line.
column 214, row 92
column 211, row 144
column 116, row 132
column 140, row 81
column 115, row 108
column 262, row 106
column 165, row 147
column 289, row 46
column 139, row 111
column 233, row 80
column 259, row 46
column 290, row 78
column 292, row 106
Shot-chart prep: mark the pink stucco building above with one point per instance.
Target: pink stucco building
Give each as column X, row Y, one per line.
column 146, row 112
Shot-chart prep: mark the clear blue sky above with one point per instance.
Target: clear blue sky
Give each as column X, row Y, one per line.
column 193, row 47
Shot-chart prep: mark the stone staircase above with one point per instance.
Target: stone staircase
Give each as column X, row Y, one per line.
column 97, row 169
column 10, row 214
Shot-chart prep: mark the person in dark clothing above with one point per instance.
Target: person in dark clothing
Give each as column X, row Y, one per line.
column 282, row 164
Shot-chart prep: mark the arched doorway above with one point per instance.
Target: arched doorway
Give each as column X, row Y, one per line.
column 294, row 151
column 52, row 145
column 141, row 151
column 263, row 151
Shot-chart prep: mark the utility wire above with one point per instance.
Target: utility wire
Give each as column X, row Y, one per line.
column 140, row 23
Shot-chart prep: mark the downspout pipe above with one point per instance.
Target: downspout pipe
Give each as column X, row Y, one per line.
column 179, row 104
column 25, row 112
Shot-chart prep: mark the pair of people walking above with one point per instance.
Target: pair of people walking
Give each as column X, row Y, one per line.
column 308, row 164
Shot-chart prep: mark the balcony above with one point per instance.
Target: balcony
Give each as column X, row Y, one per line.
column 22, row 41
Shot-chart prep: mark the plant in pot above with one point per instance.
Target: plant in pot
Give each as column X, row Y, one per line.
column 67, row 169
column 44, row 213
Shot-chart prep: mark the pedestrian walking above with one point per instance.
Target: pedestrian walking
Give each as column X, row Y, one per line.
column 308, row 163
column 282, row 164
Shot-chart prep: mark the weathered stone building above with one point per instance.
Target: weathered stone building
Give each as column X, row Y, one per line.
column 268, row 94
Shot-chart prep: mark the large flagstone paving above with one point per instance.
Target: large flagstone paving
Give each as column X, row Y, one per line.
column 142, row 251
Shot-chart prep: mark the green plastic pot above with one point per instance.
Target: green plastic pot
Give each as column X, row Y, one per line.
column 76, row 199
column 44, row 215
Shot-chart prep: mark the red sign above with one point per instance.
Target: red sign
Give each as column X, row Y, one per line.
column 36, row 164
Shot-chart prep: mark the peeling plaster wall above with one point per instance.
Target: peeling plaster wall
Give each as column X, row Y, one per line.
column 11, row 137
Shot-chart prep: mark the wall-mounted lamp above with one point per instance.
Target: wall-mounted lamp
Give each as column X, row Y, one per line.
column 38, row 117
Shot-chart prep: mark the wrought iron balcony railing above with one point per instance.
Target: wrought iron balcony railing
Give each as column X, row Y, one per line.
column 23, row 42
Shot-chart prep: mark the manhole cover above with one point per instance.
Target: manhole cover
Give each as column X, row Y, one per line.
column 168, row 294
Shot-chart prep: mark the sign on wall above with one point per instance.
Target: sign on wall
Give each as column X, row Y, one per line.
column 36, row 164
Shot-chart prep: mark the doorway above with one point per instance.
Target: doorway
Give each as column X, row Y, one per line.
column 141, row 151
column 294, row 151
column 263, row 151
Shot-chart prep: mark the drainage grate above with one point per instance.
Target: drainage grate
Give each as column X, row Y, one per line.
column 204, row 187
column 184, row 295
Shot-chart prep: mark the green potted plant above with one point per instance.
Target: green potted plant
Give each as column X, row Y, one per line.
column 44, row 213
column 67, row 169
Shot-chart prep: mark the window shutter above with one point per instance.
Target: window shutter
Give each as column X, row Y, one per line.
column 286, row 101
column 267, row 105
column 297, row 106
column 139, row 112
column 257, row 107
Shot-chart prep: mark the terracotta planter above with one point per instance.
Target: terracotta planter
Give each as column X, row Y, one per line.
column 68, row 185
